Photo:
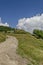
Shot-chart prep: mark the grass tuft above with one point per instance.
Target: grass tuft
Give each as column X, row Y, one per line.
column 2, row 37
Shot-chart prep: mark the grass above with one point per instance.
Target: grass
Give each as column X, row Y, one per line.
column 30, row 48
column 2, row 37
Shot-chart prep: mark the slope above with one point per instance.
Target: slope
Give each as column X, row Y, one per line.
column 30, row 48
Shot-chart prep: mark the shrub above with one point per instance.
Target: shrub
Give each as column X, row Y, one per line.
column 38, row 33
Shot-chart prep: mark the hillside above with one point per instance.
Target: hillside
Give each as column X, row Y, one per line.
column 29, row 47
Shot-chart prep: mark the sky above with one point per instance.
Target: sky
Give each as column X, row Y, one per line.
column 11, row 11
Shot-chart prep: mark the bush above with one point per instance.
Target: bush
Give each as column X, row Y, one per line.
column 38, row 33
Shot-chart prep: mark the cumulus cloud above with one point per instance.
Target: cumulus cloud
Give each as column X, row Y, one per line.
column 3, row 24
column 29, row 24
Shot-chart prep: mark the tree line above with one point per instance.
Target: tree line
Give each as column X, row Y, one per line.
column 13, row 30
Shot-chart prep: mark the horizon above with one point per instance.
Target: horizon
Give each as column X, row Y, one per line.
column 13, row 11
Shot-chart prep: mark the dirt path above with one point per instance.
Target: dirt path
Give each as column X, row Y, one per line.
column 8, row 54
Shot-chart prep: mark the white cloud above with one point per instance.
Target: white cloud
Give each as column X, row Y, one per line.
column 3, row 24
column 29, row 24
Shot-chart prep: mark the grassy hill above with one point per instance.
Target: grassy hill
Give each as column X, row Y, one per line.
column 29, row 46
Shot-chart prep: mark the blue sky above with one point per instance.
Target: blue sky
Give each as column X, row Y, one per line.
column 13, row 10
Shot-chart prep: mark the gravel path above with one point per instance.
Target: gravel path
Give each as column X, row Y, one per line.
column 8, row 54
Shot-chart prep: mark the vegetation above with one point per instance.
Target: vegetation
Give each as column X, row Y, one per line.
column 17, row 31
column 2, row 37
column 31, row 48
column 11, row 30
column 6, row 29
column 38, row 33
